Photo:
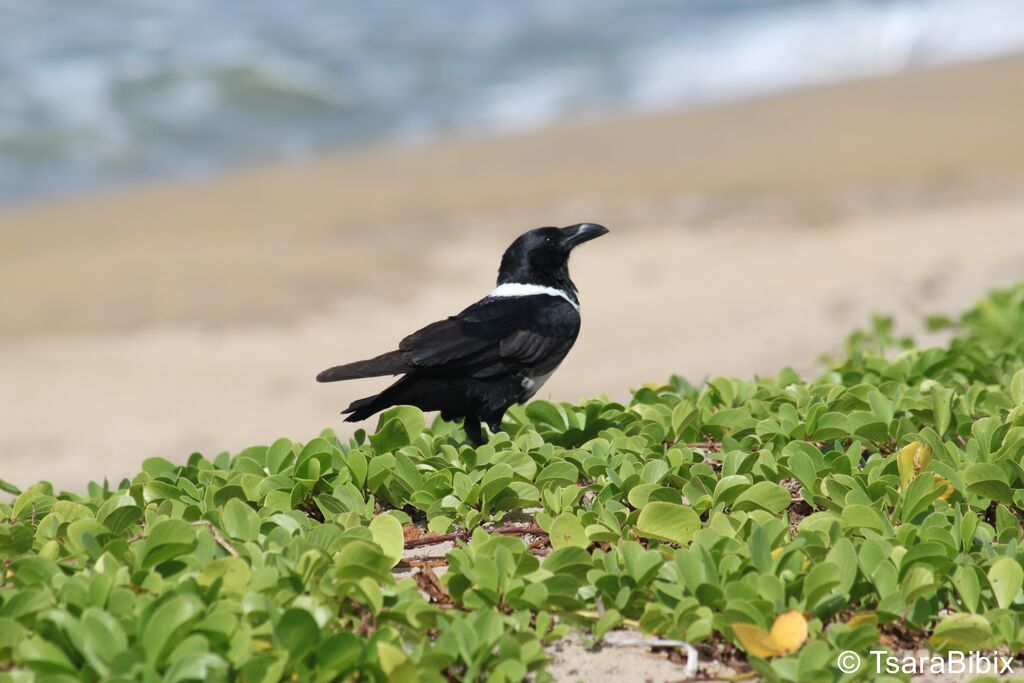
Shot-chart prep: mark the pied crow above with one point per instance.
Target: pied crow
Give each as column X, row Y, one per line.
column 498, row 352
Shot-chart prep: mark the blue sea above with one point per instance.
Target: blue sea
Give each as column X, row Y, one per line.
column 104, row 93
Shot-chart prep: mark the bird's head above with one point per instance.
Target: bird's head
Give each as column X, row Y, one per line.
column 541, row 256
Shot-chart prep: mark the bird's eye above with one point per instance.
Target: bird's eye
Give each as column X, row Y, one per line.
column 548, row 240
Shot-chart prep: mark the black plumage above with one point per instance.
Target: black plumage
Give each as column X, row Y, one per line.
column 497, row 352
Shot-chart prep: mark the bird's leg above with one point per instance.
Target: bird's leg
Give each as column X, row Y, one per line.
column 472, row 426
column 494, row 424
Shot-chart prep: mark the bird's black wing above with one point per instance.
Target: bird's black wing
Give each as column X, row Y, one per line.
column 495, row 335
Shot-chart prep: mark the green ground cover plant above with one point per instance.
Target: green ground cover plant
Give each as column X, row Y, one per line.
column 780, row 519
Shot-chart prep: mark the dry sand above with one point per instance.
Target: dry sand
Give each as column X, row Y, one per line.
column 169, row 319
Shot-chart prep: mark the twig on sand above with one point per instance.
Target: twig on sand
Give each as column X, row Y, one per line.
column 532, row 530
column 710, row 445
column 432, row 562
column 689, row 669
column 428, row 582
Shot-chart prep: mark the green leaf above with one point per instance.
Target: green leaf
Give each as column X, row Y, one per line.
column 160, row 490
column 387, row 533
column 155, row 467
column 881, row 407
column 832, row 426
column 279, row 455
column 821, row 580
column 44, row 656
column 168, row 538
column 609, row 620
column 163, row 627
column 495, row 481
column 33, row 504
column 391, row 436
column 940, row 408
column 412, row 420
column 297, row 632
column 25, row 603
column 15, row 539
column 202, row 666
column 240, row 521
column 1017, row 387
column 569, row 560
column 232, row 572
column 920, row 494
column 765, row 495
column 667, row 522
column 642, row 494
column 967, row 585
column 862, row 516
column 683, row 415
column 103, row 639
column 119, row 513
column 558, row 473
column 1006, row 578
column 988, row 481
column 11, row 633
column 33, row 570
column 358, row 559
column 729, row 488
column 357, row 465
column 963, row 632
column 548, row 413
column 567, row 530
column 338, row 654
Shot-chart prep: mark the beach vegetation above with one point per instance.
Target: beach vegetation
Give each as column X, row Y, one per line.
column 774, row 521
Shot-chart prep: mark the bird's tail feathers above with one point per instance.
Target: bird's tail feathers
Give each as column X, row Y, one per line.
column 390, row 363
column 362, row 409
column 425, row 393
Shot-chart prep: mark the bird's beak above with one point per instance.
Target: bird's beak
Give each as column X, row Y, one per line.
column 575, row 235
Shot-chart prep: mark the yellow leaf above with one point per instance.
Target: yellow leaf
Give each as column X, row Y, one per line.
column 755, row 640
column 911, row 461
column 789, row 632
column 862, row 618
column 390, row 656
column 942, row 481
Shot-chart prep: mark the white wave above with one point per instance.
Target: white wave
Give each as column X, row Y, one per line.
column 141, row 88
column 821, row 43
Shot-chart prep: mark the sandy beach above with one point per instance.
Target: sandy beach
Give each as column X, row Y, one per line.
column 168, row 319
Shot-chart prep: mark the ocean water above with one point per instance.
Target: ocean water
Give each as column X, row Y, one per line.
column 110, row 92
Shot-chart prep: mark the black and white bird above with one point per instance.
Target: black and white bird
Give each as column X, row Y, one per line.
column 496, row 353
